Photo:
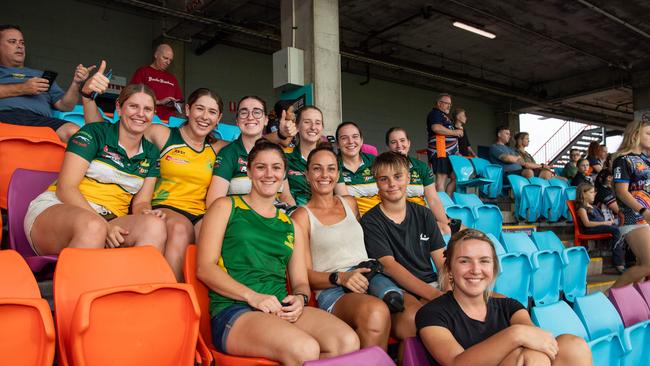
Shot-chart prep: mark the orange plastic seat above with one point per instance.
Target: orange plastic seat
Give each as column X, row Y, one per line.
column 36, row 148
column 201, row 290
column 578, row 237
column 123, row 307
column 27, row 334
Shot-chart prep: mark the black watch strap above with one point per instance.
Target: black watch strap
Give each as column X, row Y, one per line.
column 305, row 298
column 334, row 278
column 86, row 95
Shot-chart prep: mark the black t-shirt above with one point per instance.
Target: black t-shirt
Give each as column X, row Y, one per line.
column 410, row 242
column 604, row 195
column 464, row 144
column 445, row 312
column 580, row 178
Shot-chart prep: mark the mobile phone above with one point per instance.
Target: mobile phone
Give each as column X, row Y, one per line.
column 50, row 76
column 108, row 75
column 285, row 304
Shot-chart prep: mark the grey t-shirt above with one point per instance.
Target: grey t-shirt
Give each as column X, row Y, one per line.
column 40, row 104
column 496, row 150
column 410, row 242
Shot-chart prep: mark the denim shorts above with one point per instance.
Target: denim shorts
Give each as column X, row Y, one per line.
column 379, row 286
column 222, row 323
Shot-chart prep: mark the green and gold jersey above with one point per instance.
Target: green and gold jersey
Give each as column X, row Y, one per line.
column 300, row 189
column 231, row 165
column 361, row 183
column 255, row 252
column 185, row 175
column 112, row 178
column 420, row 177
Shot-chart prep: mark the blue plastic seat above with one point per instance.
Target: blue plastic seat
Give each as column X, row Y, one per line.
column 487, row 217
column 226, row 132
column 464, row 171
column 464, row 214
column 552, row 199
column 497, row 244
column 175, row 121
column 575, row 261
column 445, row 199
column 513, row 279
column 600, row 318
column 558, row 318
column 528, row 198
column 76, row 115
column 494, row 172
column 555, row 182
column 546, row 267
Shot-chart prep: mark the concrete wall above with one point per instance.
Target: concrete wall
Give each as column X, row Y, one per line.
column 61, row 34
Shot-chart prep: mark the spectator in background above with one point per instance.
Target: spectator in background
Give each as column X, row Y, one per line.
column 582, row 175
column 605, row 197
column 26, row 98
column 504, row 155
column 163, row 83
column 539, row 170
column 464, row 146
column 571, row 167
column 281, row 128
column 595, row 157
column 443, row 141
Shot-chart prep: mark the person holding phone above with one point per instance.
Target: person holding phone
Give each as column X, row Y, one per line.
column 27, row 96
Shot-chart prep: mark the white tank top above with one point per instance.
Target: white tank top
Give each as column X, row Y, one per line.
column 339, row 246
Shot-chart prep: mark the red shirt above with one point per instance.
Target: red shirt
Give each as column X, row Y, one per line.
column 164, row 85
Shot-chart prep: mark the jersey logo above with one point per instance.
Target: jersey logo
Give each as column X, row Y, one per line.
column 289, row 241
column 176, row 160
column 295, row 172
column 424, row 237
column 242, row 165
column 116, row 158
column 367, row 172
column 617, row 172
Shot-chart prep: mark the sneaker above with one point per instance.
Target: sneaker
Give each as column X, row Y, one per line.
column 395, row 301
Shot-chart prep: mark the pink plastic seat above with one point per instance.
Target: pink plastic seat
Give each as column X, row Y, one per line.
column 414, row 353
column 369, row 149
column 368, row 356
column 644, row 290
column 630, row 304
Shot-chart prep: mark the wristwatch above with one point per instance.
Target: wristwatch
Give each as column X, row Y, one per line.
column 334, row 278
column 305, row 298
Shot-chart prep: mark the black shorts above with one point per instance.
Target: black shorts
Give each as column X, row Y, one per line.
column 193, row 218
column 28, row 118
column 440, row 165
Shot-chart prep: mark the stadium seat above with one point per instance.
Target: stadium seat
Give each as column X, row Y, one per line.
column 630, row 305
column 76, row 115
column 27, row 335
column 490, row 171
column 28, row 147
column 226, row 132
column 24, row 186
column 566, row 189
column 528, row 198
column 644, row 290
column 558, row 318
column 514, row 277
column 497, row 244
column 368, row 356
column 201, row 290
column 114, row 307
column 464, row 214
column 578, row 237
column 546, row 267
column 487, row 217
column 369, row 149
column 175, row 121
column 464, row 171
column 414, row 353
column 552, row 199
column 601, row 321
column 575, row 261
column 445, row 199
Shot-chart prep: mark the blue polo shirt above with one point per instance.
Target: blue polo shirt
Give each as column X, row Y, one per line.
column 40, row 104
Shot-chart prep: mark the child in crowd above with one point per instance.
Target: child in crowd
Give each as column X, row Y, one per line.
column 467, row 326
column 593, row 222
column 605, row 197
column 571, row 168
column 582, row 176
column 404, row 237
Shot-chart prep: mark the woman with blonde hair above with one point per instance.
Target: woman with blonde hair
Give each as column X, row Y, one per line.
column 631, row 180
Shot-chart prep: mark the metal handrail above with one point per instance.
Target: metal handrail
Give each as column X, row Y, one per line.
column 559, row 141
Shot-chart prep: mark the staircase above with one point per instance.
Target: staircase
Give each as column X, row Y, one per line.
column 571, row 135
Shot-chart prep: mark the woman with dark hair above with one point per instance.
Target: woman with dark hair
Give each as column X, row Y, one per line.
column 231, row 164
column 605, row 196
column 478, row 329
column 246, row 251
column 421, row 186
column 102, row 195
column 281, row 128
column 540, row 170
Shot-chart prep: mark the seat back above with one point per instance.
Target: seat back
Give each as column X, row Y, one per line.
column 414, row 353
column 570, row 193
column 28, row 147
column 518, row 243
column 76, row 115
column 547, row 240
column 644, row 290
column 598, row 315
column 571, row 204
column 24, row 186
column 630, row 304
column 514, row 278
column 464, row 214
column 497, row 244
column 480, row 165
column 539, row 181
column 489, row 219
column 83, row 270
column 558, row 318
column 462, row 168
column 27, row 334
column 467, row 199
column 445, row 199
column 517, row 182
column 367, row 356
column 201, row 291
column 558, row 183
column 175, row 121
column 227, row 132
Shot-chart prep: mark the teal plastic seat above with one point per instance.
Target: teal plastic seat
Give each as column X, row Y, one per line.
column 552, row 199
column 497, row 244
column 226, row 132
column 514, row 277
column 494, row 172
column 546, row 267
column 575, row 261
column 465, row 176
column 76, row 115
column 528, row 198
column 487, row 217
column 445, row 199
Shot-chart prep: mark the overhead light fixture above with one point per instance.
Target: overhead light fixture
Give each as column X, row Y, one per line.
column 475, row 30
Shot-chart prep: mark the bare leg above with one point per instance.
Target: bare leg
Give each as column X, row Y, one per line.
column 451, row 187
column 639, row 242
column 180, row 233
column 514, row 358
column 62, row 226
column 66, row 131
column 143, row 229
column 367, row 315
column 332, row 334
column 527, row 173
column 574, row 351
column 441, row 182
column 546, row 174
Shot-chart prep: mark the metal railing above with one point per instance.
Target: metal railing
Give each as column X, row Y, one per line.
column 559, row 141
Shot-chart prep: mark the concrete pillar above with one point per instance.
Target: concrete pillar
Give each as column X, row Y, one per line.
column 510, row 119
column 317, row 34
column 641, row 95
